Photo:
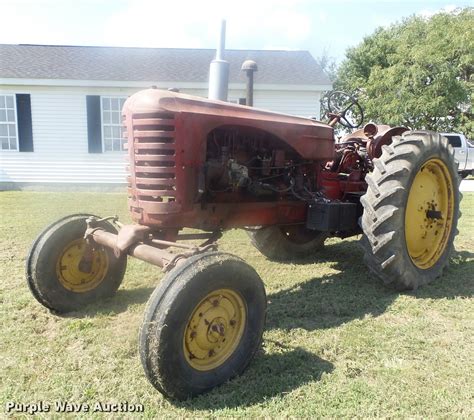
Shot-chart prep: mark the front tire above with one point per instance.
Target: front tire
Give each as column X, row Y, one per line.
column 284, row 243
column 64, row 273
column 203, row 325
column 411, row 210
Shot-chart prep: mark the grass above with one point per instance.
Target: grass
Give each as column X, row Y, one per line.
column 337, row 343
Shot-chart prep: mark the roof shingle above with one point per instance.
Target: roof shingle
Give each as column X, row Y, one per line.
column 153, row 64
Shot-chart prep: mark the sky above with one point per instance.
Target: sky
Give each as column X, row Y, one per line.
column 322, row 27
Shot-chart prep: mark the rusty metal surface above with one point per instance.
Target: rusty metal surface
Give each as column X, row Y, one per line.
column 167, row 134
column 144, row 251
column 383, row 138
column 194, row 236
column 375, row 142
column 129, row 235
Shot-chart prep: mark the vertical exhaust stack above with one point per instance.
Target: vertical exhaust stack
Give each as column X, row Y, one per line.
column 219, row 71
column 250, row 67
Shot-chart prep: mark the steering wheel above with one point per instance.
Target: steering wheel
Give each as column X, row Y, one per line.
column 346, row 108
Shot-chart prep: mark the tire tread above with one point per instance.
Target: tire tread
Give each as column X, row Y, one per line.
column 383, row 241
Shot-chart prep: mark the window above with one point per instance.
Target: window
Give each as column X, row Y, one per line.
column 112, row 128
column 8, row 127
column 454, row 141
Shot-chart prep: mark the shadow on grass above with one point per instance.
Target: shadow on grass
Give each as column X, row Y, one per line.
column 268, row 376
column 455, row 282
column 123, row 299
column 332, row 300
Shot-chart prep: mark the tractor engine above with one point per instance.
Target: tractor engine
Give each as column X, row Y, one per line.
column 212, row 165
column 247, row 165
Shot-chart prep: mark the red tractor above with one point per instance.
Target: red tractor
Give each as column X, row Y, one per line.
column 211, row 165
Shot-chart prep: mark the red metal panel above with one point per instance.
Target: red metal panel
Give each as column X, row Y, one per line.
column 140, row 134
column 167, row 148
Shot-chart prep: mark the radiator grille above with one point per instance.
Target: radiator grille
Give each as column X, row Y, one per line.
column 152, row 180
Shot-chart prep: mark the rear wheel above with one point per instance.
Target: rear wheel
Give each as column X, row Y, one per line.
column 280, row 243
column 65, row 273
column 203, row 325
column 411, row 210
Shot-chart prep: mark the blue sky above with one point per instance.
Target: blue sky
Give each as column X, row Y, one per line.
column 317, row 26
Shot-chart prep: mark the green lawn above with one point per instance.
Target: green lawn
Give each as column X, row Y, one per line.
column 337, row 343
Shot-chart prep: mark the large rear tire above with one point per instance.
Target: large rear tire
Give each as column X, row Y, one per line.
column 411, row 210
column 64, row 273
column 283, row 243
column 203, row 325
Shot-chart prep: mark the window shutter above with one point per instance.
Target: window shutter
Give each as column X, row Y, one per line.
column 94, row 125
column 25, row 127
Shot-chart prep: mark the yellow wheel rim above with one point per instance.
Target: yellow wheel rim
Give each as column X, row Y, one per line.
column 80, row 268
column 429, row 213
column 214, row 329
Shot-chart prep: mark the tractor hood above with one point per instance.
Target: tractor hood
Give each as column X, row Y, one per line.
column 194, row 117
column 153, row 100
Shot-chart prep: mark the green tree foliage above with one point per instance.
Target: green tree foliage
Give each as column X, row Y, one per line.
column 418, row 73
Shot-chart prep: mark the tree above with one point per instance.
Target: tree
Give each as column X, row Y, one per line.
column 418, row 73
column 329, row 67
column 328, row 64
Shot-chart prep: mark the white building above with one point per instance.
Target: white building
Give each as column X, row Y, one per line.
column 54, row 98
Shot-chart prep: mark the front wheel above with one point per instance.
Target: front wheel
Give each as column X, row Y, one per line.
column 411, row 210
column 203, row 325
column 65, row 273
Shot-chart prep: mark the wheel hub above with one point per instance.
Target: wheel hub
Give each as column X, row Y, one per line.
column 81, row 268
column 429, row 213
column 214, row 329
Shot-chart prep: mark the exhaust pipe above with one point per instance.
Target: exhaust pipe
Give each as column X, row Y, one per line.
column 250, row 67
column 219, row 71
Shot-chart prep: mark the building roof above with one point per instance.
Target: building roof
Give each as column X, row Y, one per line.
column 153, row 64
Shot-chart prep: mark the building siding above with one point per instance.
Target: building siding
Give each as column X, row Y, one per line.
column 60, row 133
